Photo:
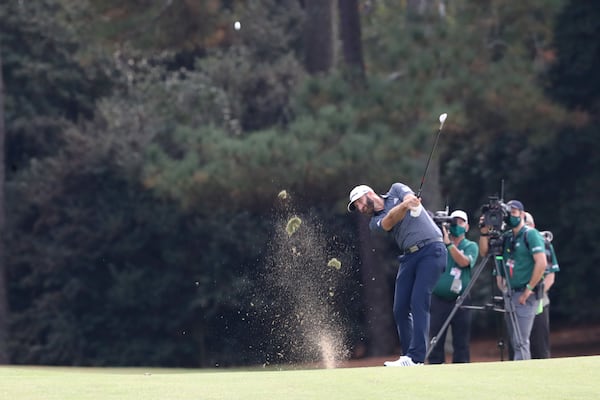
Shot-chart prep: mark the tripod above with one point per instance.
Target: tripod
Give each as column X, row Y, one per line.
column 507, row 294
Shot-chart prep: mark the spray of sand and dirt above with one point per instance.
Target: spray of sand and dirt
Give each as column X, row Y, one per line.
column 301, row 287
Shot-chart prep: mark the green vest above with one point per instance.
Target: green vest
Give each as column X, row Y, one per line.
column 444, row 285
column 552, row 261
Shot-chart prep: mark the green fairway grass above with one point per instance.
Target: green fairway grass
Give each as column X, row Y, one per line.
column 559, row 378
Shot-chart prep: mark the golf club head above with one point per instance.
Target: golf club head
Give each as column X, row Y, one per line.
column 443, row 119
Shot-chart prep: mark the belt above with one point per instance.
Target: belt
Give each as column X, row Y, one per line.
column 419, row 245
column 522, row 288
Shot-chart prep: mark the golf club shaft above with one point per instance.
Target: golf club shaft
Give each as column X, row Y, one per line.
column 442, row 119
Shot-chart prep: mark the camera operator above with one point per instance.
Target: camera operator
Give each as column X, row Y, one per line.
column 540, row 333
column 525, row 265
column 462, row 254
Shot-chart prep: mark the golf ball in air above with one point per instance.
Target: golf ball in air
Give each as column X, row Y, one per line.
column 237, row 25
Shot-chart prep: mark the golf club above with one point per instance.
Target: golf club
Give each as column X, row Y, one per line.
column 442, row 120
column 415, row 212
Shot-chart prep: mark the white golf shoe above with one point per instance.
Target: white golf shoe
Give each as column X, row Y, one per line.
column 403, row 361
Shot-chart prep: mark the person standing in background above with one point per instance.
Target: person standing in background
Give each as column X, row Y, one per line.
column 539, row 339
column 462, row 254
column 523, row 265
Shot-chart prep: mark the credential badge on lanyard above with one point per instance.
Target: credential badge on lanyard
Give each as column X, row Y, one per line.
column 511, row 264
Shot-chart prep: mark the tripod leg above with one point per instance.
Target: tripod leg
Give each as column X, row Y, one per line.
column 512, row 324
column 502, row 332
column 457, row 304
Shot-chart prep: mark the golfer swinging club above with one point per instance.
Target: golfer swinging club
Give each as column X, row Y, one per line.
column 422, row 260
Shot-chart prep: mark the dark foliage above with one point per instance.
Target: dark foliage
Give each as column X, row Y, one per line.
column 574, row 76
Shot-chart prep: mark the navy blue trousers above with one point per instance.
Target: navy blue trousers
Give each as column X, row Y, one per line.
column 417, row 275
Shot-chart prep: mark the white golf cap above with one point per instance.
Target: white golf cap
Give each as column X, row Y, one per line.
column 460, row 214
column 356, row 193
column 529, row 221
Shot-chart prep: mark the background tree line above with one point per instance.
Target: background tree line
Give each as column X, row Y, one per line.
column 145, row 144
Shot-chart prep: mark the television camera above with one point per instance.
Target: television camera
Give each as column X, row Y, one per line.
column 442, row 218
column 495, row 213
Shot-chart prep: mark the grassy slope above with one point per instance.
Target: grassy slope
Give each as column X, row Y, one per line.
column 560, row 378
